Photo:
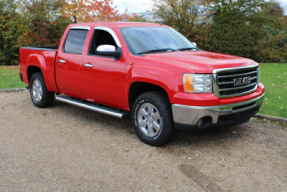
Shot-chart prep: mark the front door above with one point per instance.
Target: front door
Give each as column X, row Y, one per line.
column 103, row 78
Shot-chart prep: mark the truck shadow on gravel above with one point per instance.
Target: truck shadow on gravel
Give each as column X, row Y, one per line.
column 182, row 138
column 89, row 117
column 201, row 136
column 228, row 148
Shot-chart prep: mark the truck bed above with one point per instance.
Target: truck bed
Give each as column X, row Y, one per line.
column 42, row 57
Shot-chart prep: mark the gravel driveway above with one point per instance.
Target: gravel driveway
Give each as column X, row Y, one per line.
column 65, row 148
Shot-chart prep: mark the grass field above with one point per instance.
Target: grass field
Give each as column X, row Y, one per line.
column 273, row 76
column 9, row 78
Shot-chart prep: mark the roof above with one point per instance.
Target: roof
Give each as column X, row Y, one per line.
column 119, row 24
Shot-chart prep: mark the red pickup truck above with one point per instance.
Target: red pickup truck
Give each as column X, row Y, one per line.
column 147, row 70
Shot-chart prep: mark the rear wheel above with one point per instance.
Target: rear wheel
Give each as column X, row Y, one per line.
column 40, row 96
column 152, row 118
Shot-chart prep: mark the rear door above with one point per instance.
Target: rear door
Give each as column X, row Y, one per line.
column 69, row 62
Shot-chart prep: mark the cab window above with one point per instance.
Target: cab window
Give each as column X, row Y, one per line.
column 75, row 41
column 101, row 37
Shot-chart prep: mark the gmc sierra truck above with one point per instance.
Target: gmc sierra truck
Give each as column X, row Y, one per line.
column 144, row 70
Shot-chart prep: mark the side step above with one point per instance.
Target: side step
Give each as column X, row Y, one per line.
column 94, row 107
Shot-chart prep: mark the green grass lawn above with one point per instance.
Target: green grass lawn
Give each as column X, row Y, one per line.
column 9, row 78
column 273, row 76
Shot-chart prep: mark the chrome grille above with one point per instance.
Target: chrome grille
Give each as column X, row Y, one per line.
column 224, row 81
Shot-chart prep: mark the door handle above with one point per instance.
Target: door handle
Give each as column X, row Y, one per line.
column 61, row 61
column 88, row 65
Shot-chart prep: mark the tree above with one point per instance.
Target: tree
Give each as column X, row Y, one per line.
column 41, row 24
column 254, row 29
column 273, row 45
column 236, row 27
column 93, row 10
column 137, row 18
column 183, row 15
column 28, row 23
column 8, row 29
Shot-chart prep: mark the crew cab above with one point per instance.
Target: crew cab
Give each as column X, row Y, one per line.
column 146, row 71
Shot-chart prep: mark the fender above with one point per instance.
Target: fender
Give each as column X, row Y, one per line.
column 154, row 75
column 37, row 60
column 46, row 63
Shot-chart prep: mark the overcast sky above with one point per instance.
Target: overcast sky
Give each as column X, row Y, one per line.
column 138, row 6
column 134, row 6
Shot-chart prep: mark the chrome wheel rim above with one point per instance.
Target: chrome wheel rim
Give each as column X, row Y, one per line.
column 149, row 120
column 37, row 90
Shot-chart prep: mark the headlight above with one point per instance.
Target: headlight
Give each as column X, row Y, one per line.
column 197, row 83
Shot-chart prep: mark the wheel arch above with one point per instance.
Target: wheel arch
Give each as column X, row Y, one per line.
column 31, row 70
column 139, row 87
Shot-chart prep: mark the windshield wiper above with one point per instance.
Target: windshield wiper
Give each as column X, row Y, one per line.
column 188, row 48
column 156, row 50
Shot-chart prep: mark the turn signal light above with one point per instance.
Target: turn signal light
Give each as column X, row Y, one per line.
column 188, row 83
column 197, row 83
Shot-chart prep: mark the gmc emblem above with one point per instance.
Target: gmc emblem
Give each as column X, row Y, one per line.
column 241, row 81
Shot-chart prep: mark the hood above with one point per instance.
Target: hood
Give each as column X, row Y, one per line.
column 200, row 61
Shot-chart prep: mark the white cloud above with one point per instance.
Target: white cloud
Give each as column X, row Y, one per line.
column 134, row 6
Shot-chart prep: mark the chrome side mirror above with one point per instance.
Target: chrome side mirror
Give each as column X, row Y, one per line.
column 106, row 48
column 109, row 51
column 194, row 44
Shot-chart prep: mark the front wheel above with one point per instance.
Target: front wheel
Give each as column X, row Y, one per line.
column 40, row 96
column 152, row 118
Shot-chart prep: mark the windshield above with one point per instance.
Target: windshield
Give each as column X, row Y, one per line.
column 148, row 39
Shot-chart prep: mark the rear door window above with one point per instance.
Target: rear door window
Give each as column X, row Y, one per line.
column 75, row 41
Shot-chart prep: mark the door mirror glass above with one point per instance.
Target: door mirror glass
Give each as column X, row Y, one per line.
column 106, row 48
column 194, row 44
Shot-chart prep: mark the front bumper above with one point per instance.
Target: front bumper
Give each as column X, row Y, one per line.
column 186, row 117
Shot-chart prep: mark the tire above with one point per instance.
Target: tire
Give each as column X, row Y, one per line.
column 152, row 118
column 40, row 96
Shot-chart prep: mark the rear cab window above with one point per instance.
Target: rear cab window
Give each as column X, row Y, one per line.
column 75, row 41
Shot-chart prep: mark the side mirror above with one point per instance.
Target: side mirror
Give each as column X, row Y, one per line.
column 108, row 50
column 194, row 44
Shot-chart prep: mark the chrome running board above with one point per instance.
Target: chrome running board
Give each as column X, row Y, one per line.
column 91, row 106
